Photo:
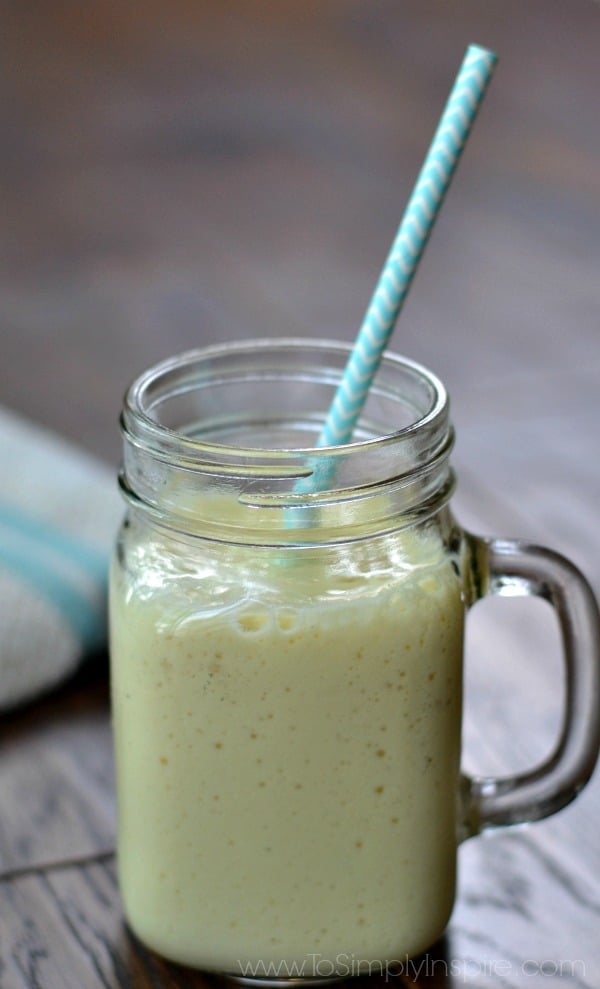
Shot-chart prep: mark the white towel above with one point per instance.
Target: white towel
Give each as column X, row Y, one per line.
column 59, row 512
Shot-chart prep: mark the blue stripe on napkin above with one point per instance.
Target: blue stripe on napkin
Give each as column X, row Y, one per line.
column 70, row 578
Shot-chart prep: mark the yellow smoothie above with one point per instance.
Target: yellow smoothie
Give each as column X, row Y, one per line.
column 287, row 741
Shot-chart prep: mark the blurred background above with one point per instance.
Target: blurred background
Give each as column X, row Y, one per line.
column 176, row 174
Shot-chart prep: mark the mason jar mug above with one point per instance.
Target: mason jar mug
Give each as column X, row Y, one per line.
column 286, row 663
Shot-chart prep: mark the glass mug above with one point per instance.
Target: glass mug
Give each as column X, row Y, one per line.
column 286, row 662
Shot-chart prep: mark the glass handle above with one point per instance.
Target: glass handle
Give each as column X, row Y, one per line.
column 512, row 568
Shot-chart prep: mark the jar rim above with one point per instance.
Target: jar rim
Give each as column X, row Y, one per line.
column 142, row 395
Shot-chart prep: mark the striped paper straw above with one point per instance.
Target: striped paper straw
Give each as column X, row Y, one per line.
column 406, row 251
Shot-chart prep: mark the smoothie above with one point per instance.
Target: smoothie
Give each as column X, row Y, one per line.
column 287, row 741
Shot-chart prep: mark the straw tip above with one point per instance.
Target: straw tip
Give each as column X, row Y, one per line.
column 480, row 52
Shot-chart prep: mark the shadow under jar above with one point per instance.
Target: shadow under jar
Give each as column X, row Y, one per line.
column 286, row 663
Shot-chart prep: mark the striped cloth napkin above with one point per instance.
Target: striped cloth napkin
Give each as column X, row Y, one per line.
column 59, row 511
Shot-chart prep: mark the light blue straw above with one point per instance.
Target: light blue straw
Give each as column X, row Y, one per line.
column 406, row 251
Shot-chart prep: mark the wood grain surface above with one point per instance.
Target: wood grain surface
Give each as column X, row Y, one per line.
column 176, row 174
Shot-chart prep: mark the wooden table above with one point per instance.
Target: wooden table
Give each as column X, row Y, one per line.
column 188, row 172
